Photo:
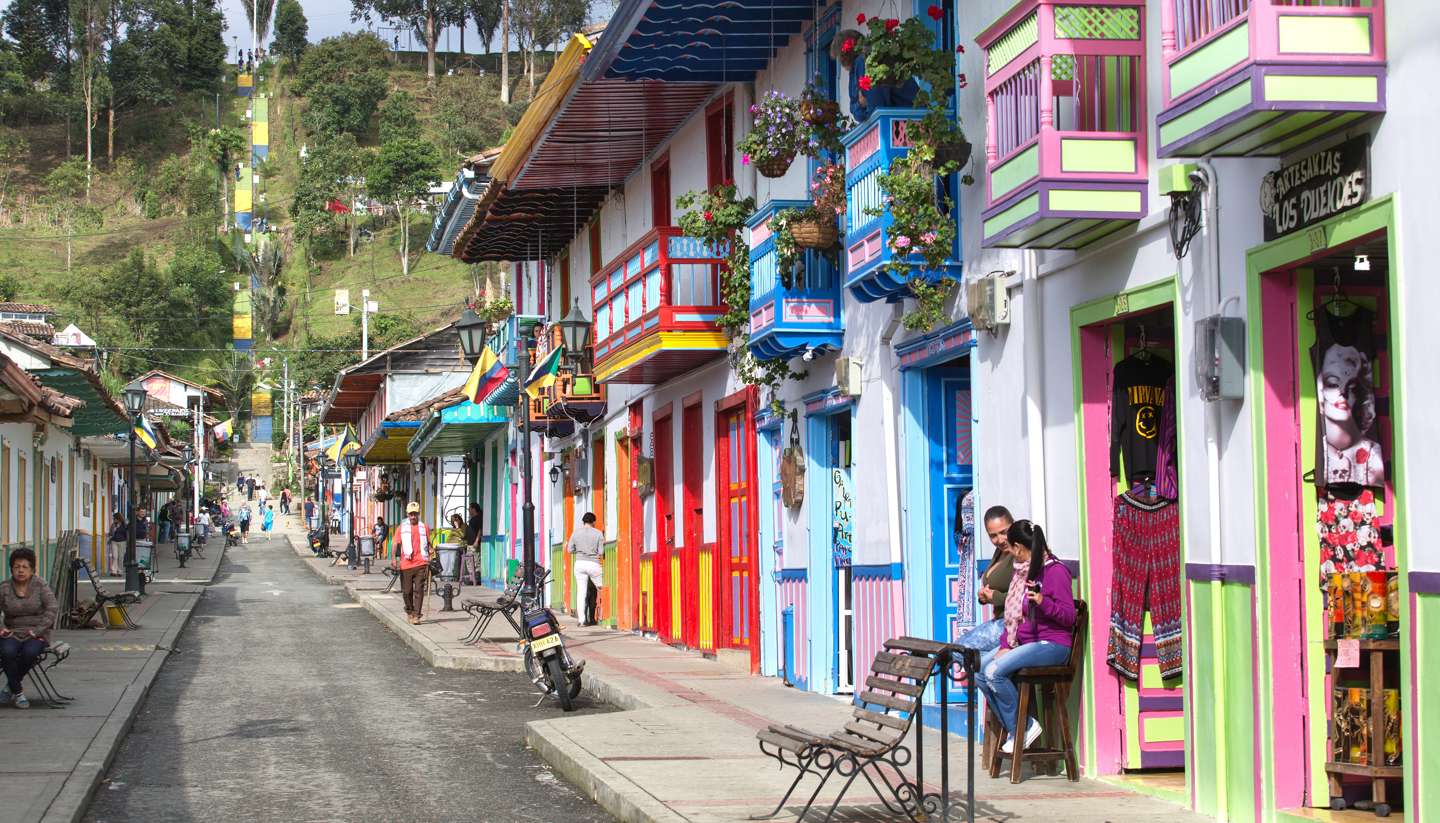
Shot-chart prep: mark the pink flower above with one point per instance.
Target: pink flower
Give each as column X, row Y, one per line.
column 865, row 82
column 902, row 242
column 860, row 19
column 744, row 159
column 928, row 238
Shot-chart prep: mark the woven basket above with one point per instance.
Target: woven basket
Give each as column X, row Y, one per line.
column 956, row 151
column 815, row 234
column 818, row 113
column 775, row 166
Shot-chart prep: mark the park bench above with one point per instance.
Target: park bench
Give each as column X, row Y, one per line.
column 54, row 655
column 104, row 598
column 1051, row 688
column 872, row 743
column 506, row 604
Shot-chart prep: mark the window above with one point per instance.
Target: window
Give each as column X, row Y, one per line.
column 660, row 191
column 4, row 492
column 597, row 260
column 719, row 143
column 564, row 284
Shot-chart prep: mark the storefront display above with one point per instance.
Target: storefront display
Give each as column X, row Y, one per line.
column 1147, row 574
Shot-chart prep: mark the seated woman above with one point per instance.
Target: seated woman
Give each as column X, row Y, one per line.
column 1041, row 638
column 30, row 612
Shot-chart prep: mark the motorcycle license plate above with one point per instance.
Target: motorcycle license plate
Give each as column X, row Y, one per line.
column 547, row 642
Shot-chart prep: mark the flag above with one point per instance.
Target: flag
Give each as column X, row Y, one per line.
column 224, row 431
column 343, row 445
column 145, row 433
column 545, row 373
column 488, row 375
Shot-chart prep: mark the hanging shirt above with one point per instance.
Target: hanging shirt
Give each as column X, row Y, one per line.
column 1135, row 406
column 1347, row 446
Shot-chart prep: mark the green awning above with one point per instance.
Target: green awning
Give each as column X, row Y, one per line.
column 457, row 429
column 98, row 415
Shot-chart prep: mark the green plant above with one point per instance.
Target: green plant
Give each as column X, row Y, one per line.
column 778, row 133
column 493, row 311
column 930, row 300
column 828, row 189
column 824, row 122
column 920, row 225
column 896, row 51
column 715, row 216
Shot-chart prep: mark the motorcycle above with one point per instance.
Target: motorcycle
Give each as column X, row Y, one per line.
column 547, row 664
column 319, row 542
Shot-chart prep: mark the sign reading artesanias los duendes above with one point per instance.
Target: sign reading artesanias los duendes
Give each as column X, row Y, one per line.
column 1315, row 187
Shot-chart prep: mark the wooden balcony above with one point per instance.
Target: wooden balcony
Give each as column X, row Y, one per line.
column 787, row 320
column 505, row 344
column 656, row 307
column 869, row 149
column 1265, row 77
column 1065, row 127
column 572, row 398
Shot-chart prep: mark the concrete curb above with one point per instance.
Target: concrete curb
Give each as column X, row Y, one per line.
column 613, row 791
column 73, row 799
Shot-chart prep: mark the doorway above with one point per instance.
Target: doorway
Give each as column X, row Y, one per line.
column 738, row 525
column 842, row 542
column 951, row 474
column 667, row 624
column 693, row 603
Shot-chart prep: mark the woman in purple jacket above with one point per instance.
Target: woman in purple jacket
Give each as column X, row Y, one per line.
column 1041, row 637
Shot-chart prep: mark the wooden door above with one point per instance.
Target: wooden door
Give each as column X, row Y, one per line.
column 738, row 526
column 694, row 480
column 664, row 527
column 626, row 552
column 567, row 568
column 606, row 606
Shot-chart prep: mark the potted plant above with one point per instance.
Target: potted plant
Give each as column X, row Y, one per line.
column 920, row 226
column 716, row 217
column 777, row 136
column 895, row 52
column 815, row 227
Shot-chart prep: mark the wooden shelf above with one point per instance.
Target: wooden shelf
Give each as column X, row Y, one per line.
column 1366, row 771
column 1392, row 645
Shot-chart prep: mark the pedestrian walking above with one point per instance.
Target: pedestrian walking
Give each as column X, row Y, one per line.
column 587, row 543
column 245, row 523
column 115, row 549
column 162, row 520
column 264, row 493
column 249, row 488
column 240, row 483
column 412, row 562
column 309, row 508
column 268, row 522
column 284, row 501
column 202, row 525
column 474, row 530
column 30, row 611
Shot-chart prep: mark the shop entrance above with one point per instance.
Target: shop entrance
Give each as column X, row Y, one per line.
column 738, row 518
column 667, row 624
column 1329, row 479
column 1132, row 567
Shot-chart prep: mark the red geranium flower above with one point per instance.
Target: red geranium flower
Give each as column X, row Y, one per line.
column 891, row 25
column 860, row 19
column 959, row 49
column 935, row 12
column 1356, row 516
column 848, row 46
column 865, row 82
column 1367, row 497
column 1362, row 456
column 709, row 218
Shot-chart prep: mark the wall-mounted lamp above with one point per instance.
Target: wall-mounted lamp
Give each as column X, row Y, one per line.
column 1362, row 262
column 555, row 474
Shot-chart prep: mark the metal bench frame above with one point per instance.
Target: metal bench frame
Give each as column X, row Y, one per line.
column 871, row 741
column 505, row 604
column 104, row 598
column 53, row 656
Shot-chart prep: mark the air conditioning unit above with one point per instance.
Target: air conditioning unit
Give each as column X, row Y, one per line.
column 987, row 302
column 848, row 374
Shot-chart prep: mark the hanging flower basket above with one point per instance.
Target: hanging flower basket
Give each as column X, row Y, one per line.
column 956, row 150
column 815, row 233
column 819, row 113
column 775, row 165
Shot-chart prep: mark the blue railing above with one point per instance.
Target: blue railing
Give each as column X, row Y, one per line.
column 787, row 320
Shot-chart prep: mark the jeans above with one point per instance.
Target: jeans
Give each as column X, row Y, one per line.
column 994, row 678
column 164, row 531
column 18, row 657
column 984, row 637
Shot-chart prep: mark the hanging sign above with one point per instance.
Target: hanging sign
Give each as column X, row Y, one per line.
column 1316, row 187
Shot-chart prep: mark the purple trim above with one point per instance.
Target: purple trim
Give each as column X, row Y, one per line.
column 1162, row 760
column 1162, row 704
column 1043, row 189
column 1425, row 582
column 1222, row 573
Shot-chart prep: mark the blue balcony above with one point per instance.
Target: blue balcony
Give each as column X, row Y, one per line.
column 869, row 149
column 505, row 343
column 785, row 321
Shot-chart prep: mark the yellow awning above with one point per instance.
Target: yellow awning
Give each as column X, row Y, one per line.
column 552, row 93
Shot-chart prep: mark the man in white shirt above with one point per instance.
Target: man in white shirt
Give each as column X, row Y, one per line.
column 587, row 543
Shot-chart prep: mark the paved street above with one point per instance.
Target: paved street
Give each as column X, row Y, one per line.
column 289, row 702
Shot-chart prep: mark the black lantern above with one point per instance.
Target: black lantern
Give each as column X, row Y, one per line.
column 189, row 455
column 134, row 399
column 575, row 332
column 472, row 333
column 554, row 474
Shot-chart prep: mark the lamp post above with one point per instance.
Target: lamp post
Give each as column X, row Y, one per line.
column 134, row 404
column 575, row 332
column 473, row 332
column 351, row 460
column 527, row 508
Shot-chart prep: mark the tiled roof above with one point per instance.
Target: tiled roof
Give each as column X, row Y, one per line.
column 32, row 328
column 420, row 411
column 27, row 308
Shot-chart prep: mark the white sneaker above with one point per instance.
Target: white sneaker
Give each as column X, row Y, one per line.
column 22, row 702
column 1032, row 733
column 1008, row 746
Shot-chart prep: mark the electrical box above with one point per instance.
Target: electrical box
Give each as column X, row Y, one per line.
column 644, row 481
column 1220, row 357
column 848, row 375
column 987, row 302
column 1175, row 178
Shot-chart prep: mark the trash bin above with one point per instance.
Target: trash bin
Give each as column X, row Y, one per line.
column 144, row 553
column 182, row 542
column 367, row 547
column 449, row 554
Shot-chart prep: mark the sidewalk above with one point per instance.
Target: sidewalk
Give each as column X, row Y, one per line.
column 52, row 759
column 683, row 747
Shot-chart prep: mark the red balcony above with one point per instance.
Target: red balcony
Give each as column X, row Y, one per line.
column 655, row 308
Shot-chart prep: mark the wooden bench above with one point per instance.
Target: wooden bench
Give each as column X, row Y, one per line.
column 873, row 739
column 104, row 598
column 505, row 604
column 1051, row 687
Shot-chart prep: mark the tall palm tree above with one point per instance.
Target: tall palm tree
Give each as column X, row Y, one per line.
column 233, row 375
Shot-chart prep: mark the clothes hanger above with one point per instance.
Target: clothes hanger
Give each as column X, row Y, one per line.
column 1338, row 300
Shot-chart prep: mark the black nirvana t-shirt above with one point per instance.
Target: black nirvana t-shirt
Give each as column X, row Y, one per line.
column 1139, row 395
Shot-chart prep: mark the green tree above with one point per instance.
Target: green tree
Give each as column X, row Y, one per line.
column 191, row 36
column 9, row 287
column 486, row 15
column 234, row 376
column 401, row 175
column 333, row 170
column 257, row 13
column 292, row 30
column 466, row 117
column 138, row 70
column 426, row 17
column 224, row 147
column 343, row 80
column 40, row 30
column 65, row 185
column 397, row 116
column 90, row 27
column 14, row 154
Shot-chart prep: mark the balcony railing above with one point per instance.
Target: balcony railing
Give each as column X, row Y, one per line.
column 504, row 341
column 869, row 149
column 1264, row 77
column 1065, row 148
column 574, row 397
column 787, row 320
column 656, row 307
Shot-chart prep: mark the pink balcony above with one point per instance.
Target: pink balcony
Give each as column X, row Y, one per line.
column 1264, row 77
column 1065, row 148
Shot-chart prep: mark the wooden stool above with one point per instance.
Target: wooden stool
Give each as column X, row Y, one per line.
column 1050, row 688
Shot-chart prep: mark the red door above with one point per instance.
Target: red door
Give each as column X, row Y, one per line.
column 641, row 599
column 664, row 525
column 694, row 500
column 739, row 586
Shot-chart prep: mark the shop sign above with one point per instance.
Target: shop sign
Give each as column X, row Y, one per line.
column 1316, row 187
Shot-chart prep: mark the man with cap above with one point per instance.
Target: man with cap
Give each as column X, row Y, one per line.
column 412, row 561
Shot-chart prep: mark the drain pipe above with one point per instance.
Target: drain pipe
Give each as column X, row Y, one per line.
column 1034, row 363
column 1207, row 177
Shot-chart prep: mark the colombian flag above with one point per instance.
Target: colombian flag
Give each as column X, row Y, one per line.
column 145, row 433
column 224, row 431
column 487, row 376
column 343, row 445
column 545, row 373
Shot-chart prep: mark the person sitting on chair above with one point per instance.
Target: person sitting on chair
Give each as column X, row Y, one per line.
column 30, row 612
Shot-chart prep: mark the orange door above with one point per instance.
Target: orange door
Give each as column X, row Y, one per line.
column 739, row 596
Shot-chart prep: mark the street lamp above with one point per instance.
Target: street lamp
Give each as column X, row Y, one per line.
column 527, row 472
column 472, row 333
column 575, row 332
column 351, row 460
column 134, row 404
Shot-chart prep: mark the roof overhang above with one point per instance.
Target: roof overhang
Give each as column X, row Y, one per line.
column 455, row 213
column 352, row 395
column 100, row 414
column 387, row 444
column 457, row 429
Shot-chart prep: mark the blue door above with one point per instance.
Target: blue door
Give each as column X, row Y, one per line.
column 952, row 476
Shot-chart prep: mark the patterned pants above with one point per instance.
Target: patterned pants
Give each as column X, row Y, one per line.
column 1147, row 570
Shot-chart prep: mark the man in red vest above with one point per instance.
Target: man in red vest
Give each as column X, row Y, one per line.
column 412, row 560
